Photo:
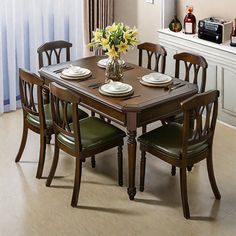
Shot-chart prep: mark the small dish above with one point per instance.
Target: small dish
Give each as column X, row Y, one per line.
column 155, row 84
column 75, row 71
column 116, row 88
column 156, row 78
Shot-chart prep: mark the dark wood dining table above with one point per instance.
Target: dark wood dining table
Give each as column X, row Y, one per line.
column 150, row 104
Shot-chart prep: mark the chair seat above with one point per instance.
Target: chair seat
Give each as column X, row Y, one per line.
column 34, row 120
column 168, row 138
column 94, row 133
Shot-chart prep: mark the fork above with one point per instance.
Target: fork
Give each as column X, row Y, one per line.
column 97, row 85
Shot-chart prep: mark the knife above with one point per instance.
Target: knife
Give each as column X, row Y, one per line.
column 95, row 85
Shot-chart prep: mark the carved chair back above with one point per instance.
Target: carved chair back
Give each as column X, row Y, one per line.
column 154, row 52
column 193, row 63
column 30, row 85
column 53, row 52
column 200, row 115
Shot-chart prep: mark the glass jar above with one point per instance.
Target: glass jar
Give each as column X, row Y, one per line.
column 175, row 25
column 114, row 68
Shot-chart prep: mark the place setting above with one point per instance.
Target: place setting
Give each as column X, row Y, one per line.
column 116, row 89
column 75, row 73
column 156, row 80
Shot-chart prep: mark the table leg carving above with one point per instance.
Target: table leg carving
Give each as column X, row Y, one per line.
column 132, row 163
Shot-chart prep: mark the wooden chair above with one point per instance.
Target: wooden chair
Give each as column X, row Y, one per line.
column 53, row 52
column 192, row 63
column 49, row 53
column 80, row 139
column 36, row 115
column 156, row 53
column 181, row 145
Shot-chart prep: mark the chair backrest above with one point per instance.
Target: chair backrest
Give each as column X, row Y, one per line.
column 197, row 62
column 53, row 51
column 202, row 109
column 61, row 100
column 29, row 83
column 155, row 51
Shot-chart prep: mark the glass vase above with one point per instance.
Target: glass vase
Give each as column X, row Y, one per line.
column 114, row 69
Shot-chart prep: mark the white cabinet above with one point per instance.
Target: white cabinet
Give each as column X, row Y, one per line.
column 221, row 72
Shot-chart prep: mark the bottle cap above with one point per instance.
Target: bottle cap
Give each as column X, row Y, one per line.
column 189, row 8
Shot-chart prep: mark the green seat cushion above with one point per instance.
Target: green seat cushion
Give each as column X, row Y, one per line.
column 34, row 120
column 94, row 133
column 168, row 139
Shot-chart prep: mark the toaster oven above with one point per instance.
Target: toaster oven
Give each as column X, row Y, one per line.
column 214, row 29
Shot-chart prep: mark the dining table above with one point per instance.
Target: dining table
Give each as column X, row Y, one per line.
column 145, row 105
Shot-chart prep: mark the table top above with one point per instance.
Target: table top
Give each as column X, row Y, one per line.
column 148, row 96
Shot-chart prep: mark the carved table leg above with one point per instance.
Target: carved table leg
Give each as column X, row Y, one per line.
column 132, row 163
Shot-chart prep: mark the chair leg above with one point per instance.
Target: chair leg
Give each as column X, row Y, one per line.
column 189, row 168
column 144, row 129
column 54, row 165
column 120, row 165
column 48, row 139
column 142, row 170
column 212, row 176
column 142, row 163
column 173, row 170
column 41, row 156
column 184, row 194
column 23, row 142
column 93, row 161
column 77, row 180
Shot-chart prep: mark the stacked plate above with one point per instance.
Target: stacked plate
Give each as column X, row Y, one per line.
column 116, row 89
column 156, row 80
column 75, row 72
column 103, row 62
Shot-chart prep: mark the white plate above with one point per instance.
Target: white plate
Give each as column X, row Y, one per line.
column 155, row 84
column 156, row 78
column 103, row 62
column 116, row 88
column 76, row 71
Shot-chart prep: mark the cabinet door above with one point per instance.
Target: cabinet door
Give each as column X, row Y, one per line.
column 170, row 62
column 228, row 91
column 211, row 81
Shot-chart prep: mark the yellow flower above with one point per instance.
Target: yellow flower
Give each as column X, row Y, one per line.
column 112, row 28
column 122, row 47
column 134, row 32
column 105, row 43
column 112, row 52
column 97, row 34
column 126, row 35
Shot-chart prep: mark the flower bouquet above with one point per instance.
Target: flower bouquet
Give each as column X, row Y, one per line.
column 114, row 40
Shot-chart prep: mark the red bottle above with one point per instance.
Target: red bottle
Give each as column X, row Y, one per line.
column 189, row 21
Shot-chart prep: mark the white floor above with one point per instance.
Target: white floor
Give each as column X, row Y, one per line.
column 29, row 208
